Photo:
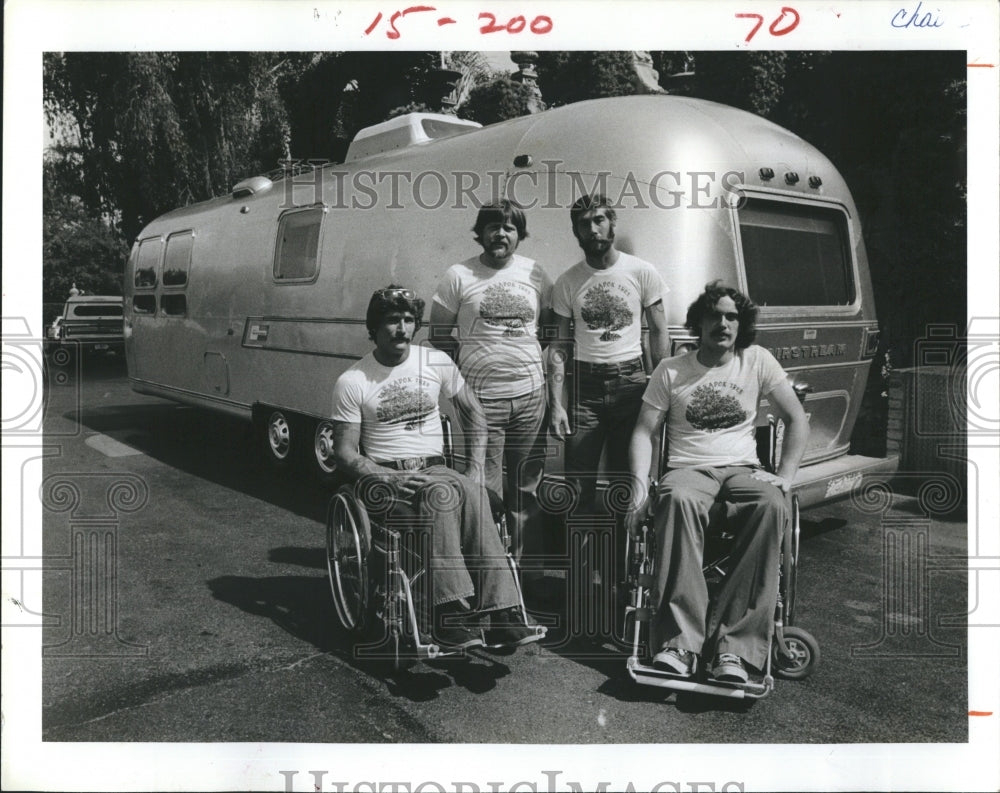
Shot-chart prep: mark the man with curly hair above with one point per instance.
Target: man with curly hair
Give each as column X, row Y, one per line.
column 709, row 398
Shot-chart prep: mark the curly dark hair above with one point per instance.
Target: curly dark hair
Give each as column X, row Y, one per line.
column 705, row 303
column 502, row 211
column 386, row 301
column 588, row 202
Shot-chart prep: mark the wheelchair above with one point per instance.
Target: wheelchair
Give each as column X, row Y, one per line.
column 378, row 579
column 793, row 653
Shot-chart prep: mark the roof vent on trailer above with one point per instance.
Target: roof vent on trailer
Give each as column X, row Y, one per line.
column 252, row 186
column 402, row 131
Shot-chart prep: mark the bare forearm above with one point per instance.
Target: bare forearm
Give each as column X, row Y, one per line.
column 793, row 448
column 659, row 345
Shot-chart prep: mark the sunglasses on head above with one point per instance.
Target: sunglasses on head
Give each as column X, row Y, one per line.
column 395, row 292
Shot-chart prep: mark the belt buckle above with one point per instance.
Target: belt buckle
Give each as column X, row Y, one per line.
column 411, row 464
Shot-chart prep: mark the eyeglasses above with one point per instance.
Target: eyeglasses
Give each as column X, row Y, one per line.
column 395, row 292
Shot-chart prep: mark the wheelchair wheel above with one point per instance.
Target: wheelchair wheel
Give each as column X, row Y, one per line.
column 805, row 655
column 348, row 545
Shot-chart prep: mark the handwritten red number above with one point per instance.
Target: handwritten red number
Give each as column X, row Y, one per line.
column 375, row 21
column 516, row 25
column 774, row 31
column 491, row 26
column 540, row 25
column 760, row 21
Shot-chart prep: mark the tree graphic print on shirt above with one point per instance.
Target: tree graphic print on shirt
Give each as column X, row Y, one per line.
column 402, row 401
column 711, row 409
column 602, row 309
column 503, row 308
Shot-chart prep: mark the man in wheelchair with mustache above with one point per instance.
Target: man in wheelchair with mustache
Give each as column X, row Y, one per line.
column 388, row 440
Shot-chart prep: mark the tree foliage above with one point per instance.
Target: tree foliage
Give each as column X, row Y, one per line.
column 79, row 247
column 159, row 130
column 498, row 100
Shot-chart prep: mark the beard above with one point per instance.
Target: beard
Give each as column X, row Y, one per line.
column 597, row 246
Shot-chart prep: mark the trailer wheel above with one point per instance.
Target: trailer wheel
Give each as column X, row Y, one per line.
column 325, row 466
column 278, row 437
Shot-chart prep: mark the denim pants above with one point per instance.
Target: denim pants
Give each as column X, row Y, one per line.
column 452, row 515
column 602, row 417
column 742, row 615
column 515, row 438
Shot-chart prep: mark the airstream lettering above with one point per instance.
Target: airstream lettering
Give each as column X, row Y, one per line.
column 253, row 303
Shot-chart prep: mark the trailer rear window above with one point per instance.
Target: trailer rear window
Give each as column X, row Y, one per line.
column 177, row 259
column 796, row 255
column 146, row 263
column 296, row 254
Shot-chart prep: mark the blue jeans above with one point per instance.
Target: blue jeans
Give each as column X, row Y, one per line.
column 602, row 417
column 453, row 517
column 515, row 438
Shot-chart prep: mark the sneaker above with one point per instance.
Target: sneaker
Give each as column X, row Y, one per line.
column 451, row 629
column 509, row 629
column 729, row 668
column 682, row 663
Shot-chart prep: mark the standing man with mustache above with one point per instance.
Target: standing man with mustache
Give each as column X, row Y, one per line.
column 497, row 302
column 709, row 398
column 599, row 305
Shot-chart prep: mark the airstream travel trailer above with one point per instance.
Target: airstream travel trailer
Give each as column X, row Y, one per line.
column 253, row 303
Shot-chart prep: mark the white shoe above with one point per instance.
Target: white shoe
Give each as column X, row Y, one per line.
column 729, row 668
column 680, row 662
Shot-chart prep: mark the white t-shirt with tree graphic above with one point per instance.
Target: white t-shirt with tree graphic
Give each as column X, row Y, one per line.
column 606, row 307
column 397, row 406
column 712, row 411
column 498, row 313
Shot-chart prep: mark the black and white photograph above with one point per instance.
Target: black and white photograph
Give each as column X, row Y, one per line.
column 532, row 414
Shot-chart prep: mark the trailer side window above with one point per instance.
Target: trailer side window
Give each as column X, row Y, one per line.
column 146, row 263
column 296, row 254
column 796, row 255
column 177, row 259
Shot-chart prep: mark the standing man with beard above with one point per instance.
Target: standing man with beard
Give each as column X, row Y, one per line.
column 604, row 297
column 496, row 301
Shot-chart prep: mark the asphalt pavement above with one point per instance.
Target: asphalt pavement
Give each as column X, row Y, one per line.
column 188, row 600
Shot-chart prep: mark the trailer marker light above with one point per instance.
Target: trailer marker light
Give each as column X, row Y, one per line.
column 522, row 161
column 791, row 177
column 815, row 181
column 766, row 173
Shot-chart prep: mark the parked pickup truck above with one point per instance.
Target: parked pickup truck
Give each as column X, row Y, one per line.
column 91, row 323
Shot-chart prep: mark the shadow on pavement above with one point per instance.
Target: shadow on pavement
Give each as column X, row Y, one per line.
column 303, row 607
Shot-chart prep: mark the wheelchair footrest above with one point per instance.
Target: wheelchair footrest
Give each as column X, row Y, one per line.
column 651, row 676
